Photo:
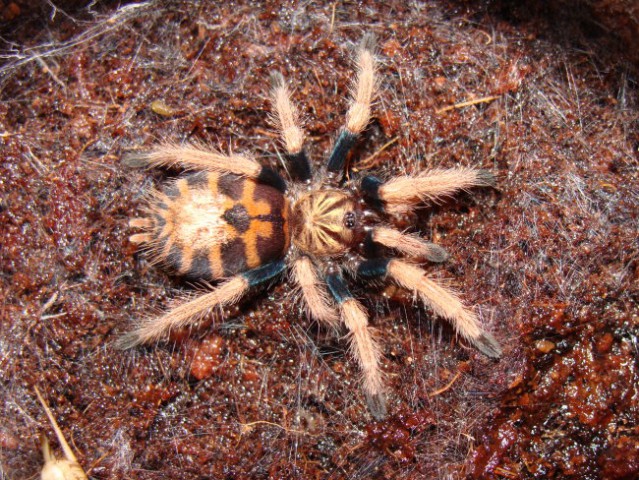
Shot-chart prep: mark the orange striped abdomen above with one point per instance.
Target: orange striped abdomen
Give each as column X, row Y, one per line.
column 210, row 226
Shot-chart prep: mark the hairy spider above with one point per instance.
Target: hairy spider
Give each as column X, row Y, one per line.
column 238, row 221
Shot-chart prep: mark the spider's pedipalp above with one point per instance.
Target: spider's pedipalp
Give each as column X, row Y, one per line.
column 198, row 158
column 314, row 292
column 402, row 194
column 359, row 113
column 363, row 345
column 409, row 245
column 287, row 122
column 191, row 312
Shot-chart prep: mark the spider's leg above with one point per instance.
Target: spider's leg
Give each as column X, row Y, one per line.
column 314, row 292
column 359, row 112
column 191, row 311
column 198, row 158
column 409, row 245
column 363, row 346
column 443, row 301
column 401, row 194
column 286, row 118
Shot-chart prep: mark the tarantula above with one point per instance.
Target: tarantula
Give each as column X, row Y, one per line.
column 239, row 222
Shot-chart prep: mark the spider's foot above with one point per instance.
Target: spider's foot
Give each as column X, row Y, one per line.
column 488, row 345
column 377, row 405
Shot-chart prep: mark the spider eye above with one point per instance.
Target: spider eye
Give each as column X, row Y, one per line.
column 350, row 220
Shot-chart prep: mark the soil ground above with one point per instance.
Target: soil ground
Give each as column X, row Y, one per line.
column 544, row 96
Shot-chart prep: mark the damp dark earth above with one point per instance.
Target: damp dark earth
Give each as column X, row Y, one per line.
column 544, row 96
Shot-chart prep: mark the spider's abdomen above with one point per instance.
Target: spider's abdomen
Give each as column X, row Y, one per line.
column 210, row 226
column 324, row 222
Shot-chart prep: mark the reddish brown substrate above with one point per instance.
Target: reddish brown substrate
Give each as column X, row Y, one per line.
column 551, row 257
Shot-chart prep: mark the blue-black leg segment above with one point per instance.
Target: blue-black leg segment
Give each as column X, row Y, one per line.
column 370, row 269
column 264, row 273
column 370, row 188
column 371, row 249
column 338, row 288
column 373, row 268
column 271, row 177
column 343, row 145
column 299, row 165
